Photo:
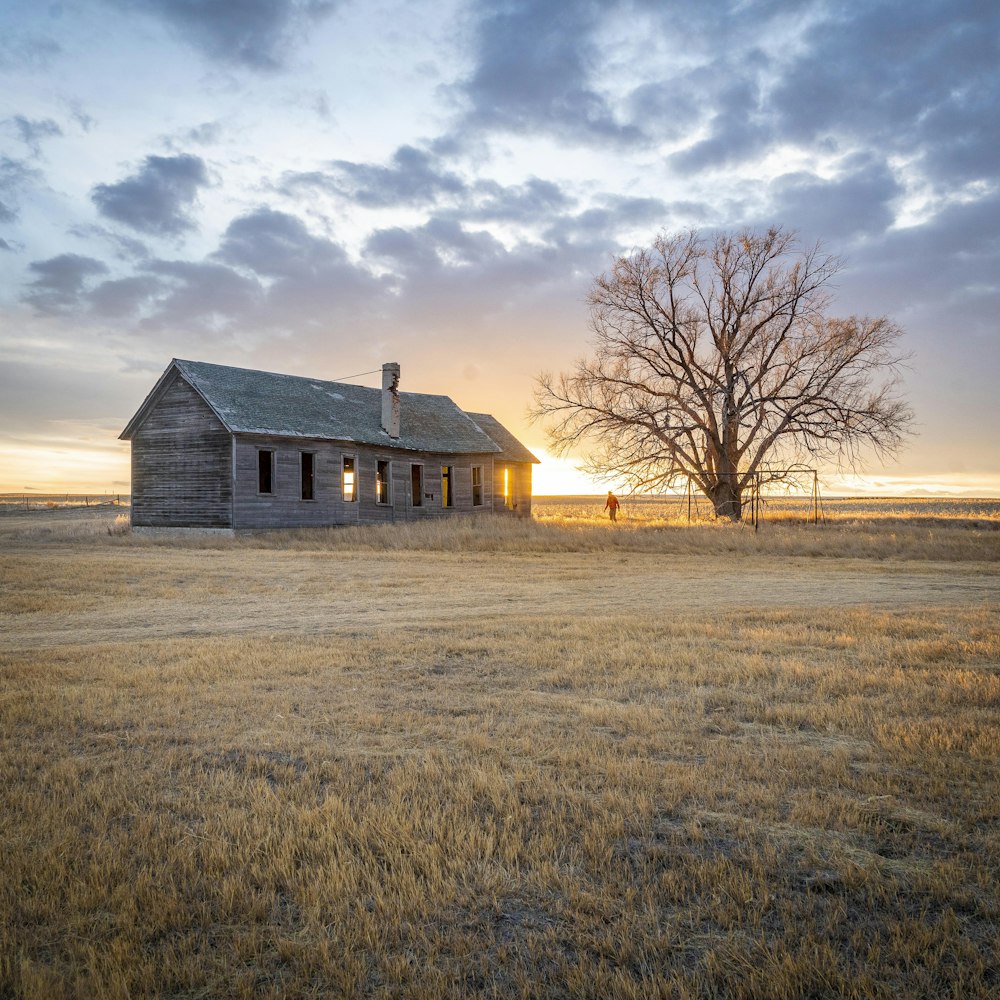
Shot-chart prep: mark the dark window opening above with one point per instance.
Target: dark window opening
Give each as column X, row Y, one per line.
column 417, row 485
column 265, row 471
column 382, row 481
column 477, row 486
column 446, row 486
column 349, row 493
column 308, row 475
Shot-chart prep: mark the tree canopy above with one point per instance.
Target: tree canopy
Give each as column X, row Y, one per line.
column 716, row 361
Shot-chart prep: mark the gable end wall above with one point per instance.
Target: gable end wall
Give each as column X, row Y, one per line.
column 181, row 464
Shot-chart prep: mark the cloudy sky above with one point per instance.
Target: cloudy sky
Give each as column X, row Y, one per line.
column 318, row 186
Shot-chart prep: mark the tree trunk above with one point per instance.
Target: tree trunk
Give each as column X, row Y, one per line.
column 727, row 499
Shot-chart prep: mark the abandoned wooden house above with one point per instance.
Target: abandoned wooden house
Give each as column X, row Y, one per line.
column 215, row 447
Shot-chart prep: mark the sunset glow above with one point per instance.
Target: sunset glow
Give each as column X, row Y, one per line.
column 82, row 466
column 319, row 188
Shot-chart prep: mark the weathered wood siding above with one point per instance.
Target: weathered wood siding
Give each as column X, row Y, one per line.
column 181, row 464
column 285, row 508
column 523, row 474
column 518, row 485
column 402, row 508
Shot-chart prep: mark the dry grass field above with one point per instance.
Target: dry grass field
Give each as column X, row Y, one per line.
column 548, row 759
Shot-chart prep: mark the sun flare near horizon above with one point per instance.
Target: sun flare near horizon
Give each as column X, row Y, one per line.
column 94, row 464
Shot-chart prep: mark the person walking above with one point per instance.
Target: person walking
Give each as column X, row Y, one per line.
column 612, row 506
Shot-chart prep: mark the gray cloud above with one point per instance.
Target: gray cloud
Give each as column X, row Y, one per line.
column 924, row 80
column 959, row 140
column 712, row 84
column 125, row 298
column 311, row 282
column 456, row 279
column 15, row 177
column 598, row 228
column 269, row 276
column 155, row 199
column 418, row 177
column 199, row 294
column 738, row 128
column 949, row 263
column 403, row 247
column 667, row 111
column 84, row 120
column 534, row 68
column 126, row 248
column 737, row 79
column 414, row 176
column 32, row 131
column 61, row 281
column 858, row 202
column 204, row 134
column 277, row 245
column 440, row 242
column 533, row 201
column 35, row 52
column 464, row 285
column 251, row 34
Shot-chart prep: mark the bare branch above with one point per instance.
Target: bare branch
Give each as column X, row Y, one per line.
column 716, row 359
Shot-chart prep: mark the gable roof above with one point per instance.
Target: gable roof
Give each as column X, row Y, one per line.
column 510, row 448
column 256, row 402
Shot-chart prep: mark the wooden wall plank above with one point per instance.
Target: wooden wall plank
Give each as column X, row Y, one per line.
column 181, row 464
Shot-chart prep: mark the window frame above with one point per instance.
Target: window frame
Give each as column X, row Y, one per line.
column 416, row 484
column 353, row 459
column 385, row 482
column 477, row 487
column 272, row 457
column 311, row 455
column 447, row 491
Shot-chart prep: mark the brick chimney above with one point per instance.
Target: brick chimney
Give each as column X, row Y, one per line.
column 390, row 398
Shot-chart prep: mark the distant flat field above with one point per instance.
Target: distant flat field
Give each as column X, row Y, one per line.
column 82, row 591
column 644, row 508
column 556, row 758
column 824, row 509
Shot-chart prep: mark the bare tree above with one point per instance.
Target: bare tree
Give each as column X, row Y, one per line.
column 716, row 361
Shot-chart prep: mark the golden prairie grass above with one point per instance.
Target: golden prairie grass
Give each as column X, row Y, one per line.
column 465, row 769
column 971, row 532
column 676, row 509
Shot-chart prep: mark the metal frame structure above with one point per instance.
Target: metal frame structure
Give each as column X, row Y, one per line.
column 755, row 502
